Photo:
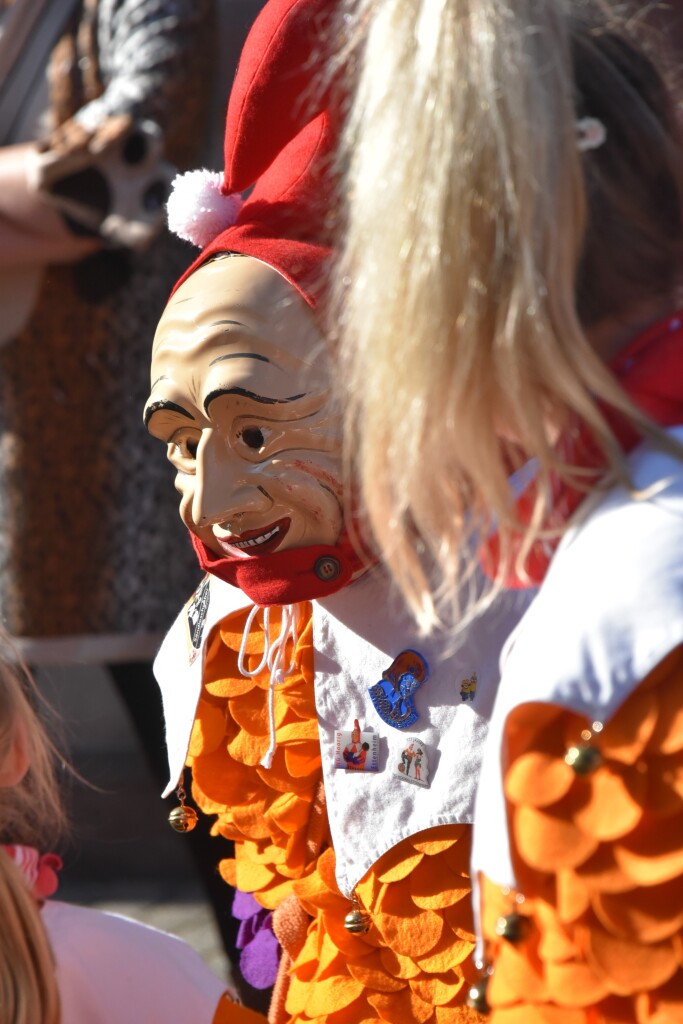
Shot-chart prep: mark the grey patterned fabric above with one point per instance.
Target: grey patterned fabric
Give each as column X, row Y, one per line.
column 90, row 540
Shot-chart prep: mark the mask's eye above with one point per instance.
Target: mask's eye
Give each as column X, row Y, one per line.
column 182, row 450
column 186, row 447
column 253, row 437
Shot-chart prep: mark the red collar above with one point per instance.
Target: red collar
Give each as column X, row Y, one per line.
column 650, row 370
column 285, row 577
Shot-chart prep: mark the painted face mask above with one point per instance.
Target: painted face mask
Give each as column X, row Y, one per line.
column 240, row 398
column 239, row 374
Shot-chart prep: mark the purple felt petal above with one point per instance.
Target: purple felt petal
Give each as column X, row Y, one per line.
column 244, row 905
column 247, row 932
column 259, row 960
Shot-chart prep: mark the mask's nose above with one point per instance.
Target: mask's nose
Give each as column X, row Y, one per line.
column 222, row 486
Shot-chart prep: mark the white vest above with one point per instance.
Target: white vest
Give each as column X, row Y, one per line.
column 358, row 633
column 610, row 609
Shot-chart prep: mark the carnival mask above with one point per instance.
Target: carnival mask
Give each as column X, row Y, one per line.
column 240, row 398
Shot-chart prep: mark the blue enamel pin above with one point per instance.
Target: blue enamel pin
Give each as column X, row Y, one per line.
column 392, row 696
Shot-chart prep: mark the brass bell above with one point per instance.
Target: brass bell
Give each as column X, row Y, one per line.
column 476, row 997
column 357, row 921
column 183, row 819
column 512, row 927
column 583, row 758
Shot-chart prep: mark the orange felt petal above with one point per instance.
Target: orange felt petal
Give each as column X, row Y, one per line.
column 626, row 735
column 649, row 915
column 350, row 945
column 665, row 784
column 437, row 840
column 539, row 779
column 398, row 966
column 665, row 1006
column 629, row 967
column 461, row 1014
column 400, row 1006
column 574, row 984
column 301, row 760
column 515, row 978
column 653, row 855
column 331, row 993
column 548, row 841
column 623, row 792
column 248, row 748
column 555, row 942
column 449, row 952
column 666, row 679
column 573, row 896
column 404, row 927
column 601, row 872
column 541, row 1014
column 228, row 871
column 208, row 729
column 438, row 991
column 228, row 1012
column 228, row 687
column 250, row 877
column 398, row 863
column 376, row 979
column 312, row 891
column 440, row 897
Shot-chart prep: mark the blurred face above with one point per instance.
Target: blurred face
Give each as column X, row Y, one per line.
column 240, row 399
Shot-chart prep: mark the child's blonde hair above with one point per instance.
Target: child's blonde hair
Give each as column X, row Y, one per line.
column 31, row 814
column 481, row 244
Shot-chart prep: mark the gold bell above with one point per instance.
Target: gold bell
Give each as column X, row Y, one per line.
column 583, row 758
column 476, row 997
column 357, row 921
column 512, row 927
column 183, row 818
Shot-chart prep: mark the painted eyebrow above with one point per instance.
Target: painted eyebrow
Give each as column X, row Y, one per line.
column 248, row 394
column 239, row 355
column 169, row 406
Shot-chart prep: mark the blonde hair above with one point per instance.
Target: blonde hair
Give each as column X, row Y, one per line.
column 31, row 814
column 28, row 987
column 476, row 253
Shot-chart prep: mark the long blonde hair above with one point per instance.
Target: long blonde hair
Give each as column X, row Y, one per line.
column 480, row 245
column 31, row 813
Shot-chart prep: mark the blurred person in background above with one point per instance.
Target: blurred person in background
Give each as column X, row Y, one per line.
column 98, row 99
column 512, row 282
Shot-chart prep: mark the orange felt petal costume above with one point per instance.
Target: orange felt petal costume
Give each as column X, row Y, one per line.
column 414, row 962
column 584, row 924
column 602, row 930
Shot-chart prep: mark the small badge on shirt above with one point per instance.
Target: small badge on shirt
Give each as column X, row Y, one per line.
column 412, row 762
column 356, row 751
column 196, row 611
column 393, row 696
column 468, row 688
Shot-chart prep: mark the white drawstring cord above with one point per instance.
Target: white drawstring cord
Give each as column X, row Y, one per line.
column 273, row 658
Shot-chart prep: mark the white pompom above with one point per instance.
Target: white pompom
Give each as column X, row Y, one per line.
column 197, row 210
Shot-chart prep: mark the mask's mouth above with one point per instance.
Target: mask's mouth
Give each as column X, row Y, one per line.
column 262, row 541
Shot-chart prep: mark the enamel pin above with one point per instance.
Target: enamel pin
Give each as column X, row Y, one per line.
column 413, row 764
column 468, row 688
column 356, row 751
column 196, row 610
column 392, row 696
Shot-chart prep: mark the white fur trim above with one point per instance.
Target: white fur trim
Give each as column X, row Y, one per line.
column 198, row 210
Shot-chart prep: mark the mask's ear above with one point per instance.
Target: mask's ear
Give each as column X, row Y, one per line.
column 16, row 762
